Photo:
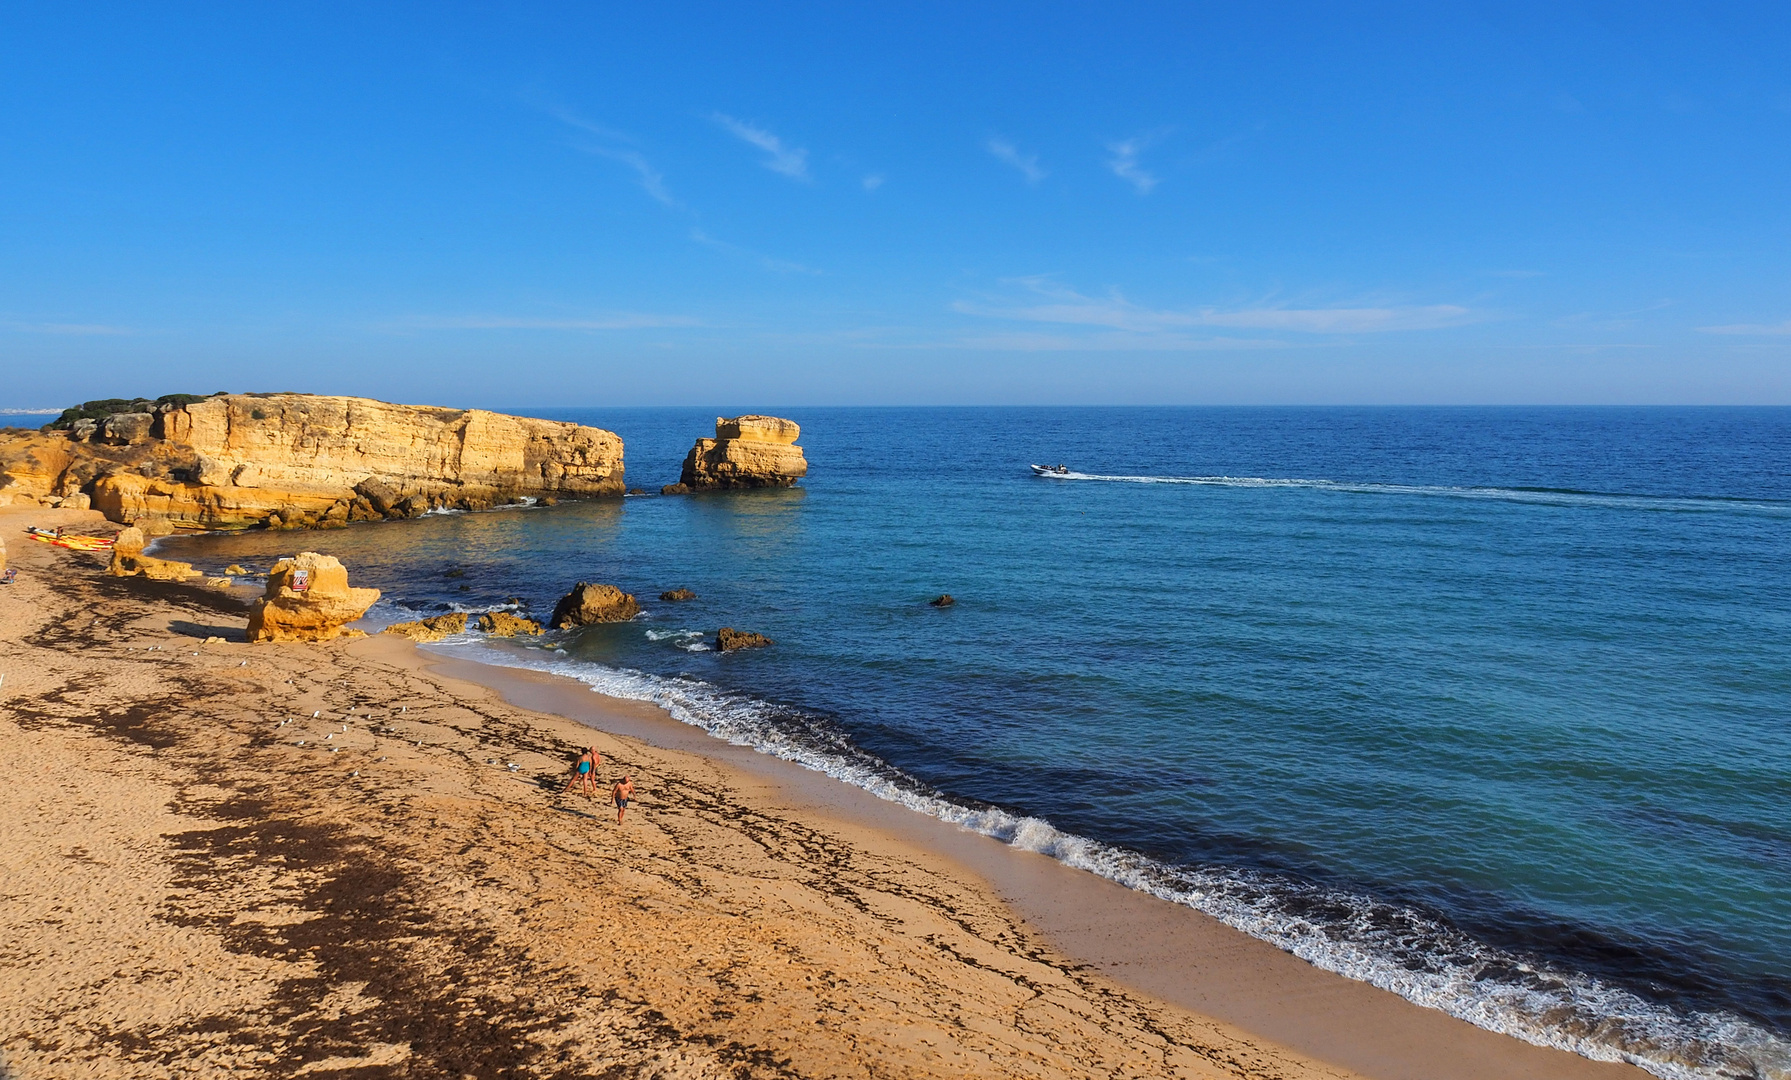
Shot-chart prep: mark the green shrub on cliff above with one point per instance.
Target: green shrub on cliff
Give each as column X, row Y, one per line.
column 104, row 407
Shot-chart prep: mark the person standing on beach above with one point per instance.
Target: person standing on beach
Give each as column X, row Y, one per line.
column 584, row 773
column 621, row 794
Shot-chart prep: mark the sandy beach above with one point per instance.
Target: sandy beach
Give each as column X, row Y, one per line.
column 352, row 859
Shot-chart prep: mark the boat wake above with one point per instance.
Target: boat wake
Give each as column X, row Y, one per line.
column 1541, row 495
column 1392, row 946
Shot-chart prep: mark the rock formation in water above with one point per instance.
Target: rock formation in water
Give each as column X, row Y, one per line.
column 434, row 628
column 727, row 639
column 943, row 600
column 302, row 461
column 504, row 624
column 747, row 452
column 589, row 603
column 308, row 599
column 128, row 560
column 676, row 595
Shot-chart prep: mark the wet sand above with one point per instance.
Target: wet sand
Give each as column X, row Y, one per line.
column 192, row 892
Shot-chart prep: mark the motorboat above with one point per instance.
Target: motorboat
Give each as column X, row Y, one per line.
column 1051, row 470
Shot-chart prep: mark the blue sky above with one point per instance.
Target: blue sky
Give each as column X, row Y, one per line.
column 858, row 204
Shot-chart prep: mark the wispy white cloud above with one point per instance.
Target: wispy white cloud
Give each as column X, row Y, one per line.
column 1109, row 342
column 616, row 146
column 1751, row 329
column 872, row 181
column 571, row 119
column 1124, row 163
column 29, row 412
column 617, row 321
column 1028, row 164
column 1056, row 304
column 651, row 180
column 782, row 266
column 784, row 160
column 74, row 329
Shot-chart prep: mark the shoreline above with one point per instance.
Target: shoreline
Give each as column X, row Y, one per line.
column 1217, row 971
column 752, row 917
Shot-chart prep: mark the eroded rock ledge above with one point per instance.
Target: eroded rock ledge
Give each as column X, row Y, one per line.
column 304, row 461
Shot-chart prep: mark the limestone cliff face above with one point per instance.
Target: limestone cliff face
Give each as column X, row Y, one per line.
column 297, row 460
column 747, row 452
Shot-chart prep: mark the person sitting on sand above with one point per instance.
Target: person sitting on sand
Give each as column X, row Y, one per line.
column 584, row 773
column 621, row 794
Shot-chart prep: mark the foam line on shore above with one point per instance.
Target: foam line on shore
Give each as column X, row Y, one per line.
column 1544, row 496
column 1396, row 948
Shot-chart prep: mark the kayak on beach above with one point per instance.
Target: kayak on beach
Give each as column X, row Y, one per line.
column 73, row 543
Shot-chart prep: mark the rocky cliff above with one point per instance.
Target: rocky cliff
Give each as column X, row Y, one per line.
column 298, row 460
column 747, row 452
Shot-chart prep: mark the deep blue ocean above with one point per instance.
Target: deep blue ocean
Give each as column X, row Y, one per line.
column 1491, row 707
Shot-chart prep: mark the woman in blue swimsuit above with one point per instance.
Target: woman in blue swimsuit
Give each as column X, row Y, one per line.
column 584, row 773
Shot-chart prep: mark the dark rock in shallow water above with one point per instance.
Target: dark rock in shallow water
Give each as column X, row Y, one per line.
column 943, row 601
column 678, row 594
column 589, row 603
column 637, row 491
column 504, row 624
column 727, row 639
column 674, row 489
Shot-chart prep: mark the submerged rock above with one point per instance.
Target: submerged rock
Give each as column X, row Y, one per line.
column 433, row 628
column 589, row 603
column 678, row 594
column 944, row 600
column 504, row 624
column 308, row 598
column 727, row 639
column 747, row 452
column 674, row 489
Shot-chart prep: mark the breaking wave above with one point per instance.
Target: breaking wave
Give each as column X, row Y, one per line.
column 1395, row 947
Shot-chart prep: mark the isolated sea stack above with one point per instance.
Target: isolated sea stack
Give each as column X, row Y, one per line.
column 308, row 598
column 747, row 452
column 298, row 460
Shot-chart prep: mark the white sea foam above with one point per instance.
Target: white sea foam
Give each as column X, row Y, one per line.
column 1544, row 496
column 1396, row 948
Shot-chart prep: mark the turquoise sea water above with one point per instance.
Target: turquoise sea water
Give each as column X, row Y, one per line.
column 1491, row 707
